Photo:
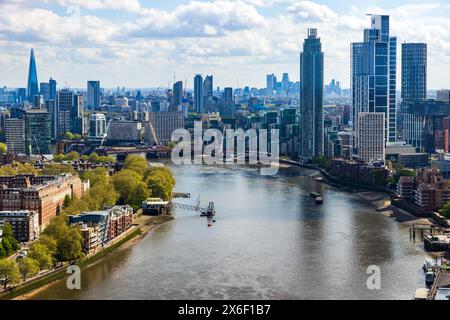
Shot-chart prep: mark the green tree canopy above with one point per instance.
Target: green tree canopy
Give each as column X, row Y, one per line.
column 96, row 176
column 41, row 254
column 3, row 148
column 72, row 156
column 136, row 163
column 69, row 245
column 28, row 267
column 9, row 272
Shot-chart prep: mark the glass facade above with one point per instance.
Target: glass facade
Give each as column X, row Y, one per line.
column 311, row 98
column 33, row 85
column 37, row 132
column 374, row 76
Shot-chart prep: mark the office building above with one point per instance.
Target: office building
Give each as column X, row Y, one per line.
column 45, row 90
column 52, row 89
column 271, row 84
column 198, row 94
column 65, row 106
column 15, row 135
column 227, row 105
column 443, row 95
column 97, row 125
column 311, row 100
column 374, row 76
column 164, row 124
column 177, row 98
column 33, row 85
column 37, row 132
column 93, row 95
column 371, row 137
column 52, row 108
column 414, row 71
column 125, row 131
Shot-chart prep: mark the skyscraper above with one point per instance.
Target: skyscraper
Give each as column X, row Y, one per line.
column 52, row 84
column 45, row 90
column 374, row 75
column 37, row 132
column 271, row 84
column 285, row 84
column 33, row 85
column 93, row 95
column 198, row 93
column 414, row 71
column 177, row 94
column 15, row 135
column 227, row 103
column 65, row 111
column 311, row 101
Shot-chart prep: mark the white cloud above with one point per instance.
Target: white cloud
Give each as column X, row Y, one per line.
column 229, row 38
column 311, row 11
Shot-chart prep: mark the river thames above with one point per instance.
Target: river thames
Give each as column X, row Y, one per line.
column 271, row 241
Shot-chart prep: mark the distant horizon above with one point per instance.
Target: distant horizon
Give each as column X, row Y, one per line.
column 238, row 41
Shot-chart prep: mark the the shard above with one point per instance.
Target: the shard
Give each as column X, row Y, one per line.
column 33, row 86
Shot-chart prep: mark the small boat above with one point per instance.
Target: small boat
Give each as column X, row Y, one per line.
column 315, row 195
column 319, row 200
column 429, row 277
column 319, row 179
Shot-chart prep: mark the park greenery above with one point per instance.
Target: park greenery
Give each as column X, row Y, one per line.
column 61, row 242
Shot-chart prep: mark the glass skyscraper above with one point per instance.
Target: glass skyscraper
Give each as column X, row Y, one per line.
column 33, row 85
column 93, row 95
column 414, row 71
column 311, row 99
column 198, row 94
column 374, row 76
column 415, row 126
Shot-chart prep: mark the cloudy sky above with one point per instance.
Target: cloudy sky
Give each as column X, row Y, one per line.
column 144, row 43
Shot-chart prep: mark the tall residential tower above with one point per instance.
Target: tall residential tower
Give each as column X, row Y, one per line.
column 311, row 100
column 374, row 76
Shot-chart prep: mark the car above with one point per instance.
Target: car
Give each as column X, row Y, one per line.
column 20, row 257
column 24, row 253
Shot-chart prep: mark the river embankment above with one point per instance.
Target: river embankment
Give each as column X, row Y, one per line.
column 142, row 227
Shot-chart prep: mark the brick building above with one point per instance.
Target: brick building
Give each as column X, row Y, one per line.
column 44, row 194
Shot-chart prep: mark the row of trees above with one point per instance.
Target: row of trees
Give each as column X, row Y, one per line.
column 75, row 156
column 61, row 242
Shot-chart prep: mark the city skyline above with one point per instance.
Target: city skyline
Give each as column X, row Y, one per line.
column 250, row 40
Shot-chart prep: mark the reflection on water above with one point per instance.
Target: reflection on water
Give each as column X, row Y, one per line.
column 270, row 241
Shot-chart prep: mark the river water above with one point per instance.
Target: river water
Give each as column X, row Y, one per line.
column 270, row 241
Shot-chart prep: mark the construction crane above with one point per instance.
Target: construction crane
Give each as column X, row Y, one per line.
column 106, row 133
column 39, row 151
column 152, row 131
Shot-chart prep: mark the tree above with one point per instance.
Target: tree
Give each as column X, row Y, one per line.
column 9, row 272
column 136, row 163
column 9, row 243
column 93, row 157
column 40, row 253
column 68, row 136
column 3, row 148
column 59, row 158
column 445, row 210
column 97, row 176
column 161, row 182
column 28, row 267
column 69, row 246
column 140, row 194
column 49, row 243
column 67, row 201
column 73, row 156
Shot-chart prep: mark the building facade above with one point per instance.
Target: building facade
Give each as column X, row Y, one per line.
column 24, row 223
column 164, row 124
column 37, row 132
column 371, row 137
column 374, row 76
column 43, row 194
column 93, row 95
column 15, row 135
column 198, row 94
column 311, row 98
